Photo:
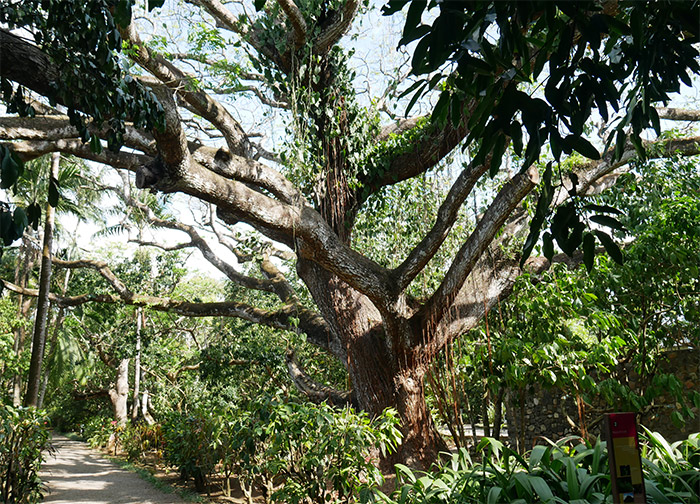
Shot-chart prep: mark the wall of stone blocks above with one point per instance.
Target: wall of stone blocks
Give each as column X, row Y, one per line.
column 550, row 413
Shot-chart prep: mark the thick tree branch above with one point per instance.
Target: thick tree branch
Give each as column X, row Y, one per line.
column 446, row 215
column 270, row 102
column 32, row 149
column 225, row 19
column 179, row 82
column 495, row 274
column 296, row 19
column 248, row 171
column 279, row 319
column 433, row 145
column 399, row 127
column 58, row 127
column 314, row 391
column 678, row 114
column 340, row 22
column 198, row 242
column 26, row 64
column 508, row 198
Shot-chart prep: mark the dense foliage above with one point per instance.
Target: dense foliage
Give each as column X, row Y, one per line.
column 596, row 56
column 285, row 450
column 567, row 471
column 24, row 437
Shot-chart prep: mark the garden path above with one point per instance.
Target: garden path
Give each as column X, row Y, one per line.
column 77, row 474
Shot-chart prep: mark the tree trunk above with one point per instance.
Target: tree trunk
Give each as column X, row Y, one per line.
column 120, row 393
column 137, row 368
column 383, row 372
column 145, row 403
column 39, row 340
column 57, row 324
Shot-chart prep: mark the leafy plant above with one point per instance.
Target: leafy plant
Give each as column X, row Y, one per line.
column 138, row 439
column 568, row 471
column 188, row 445
column 98, row 431
column 325, row 454
column 24, row 437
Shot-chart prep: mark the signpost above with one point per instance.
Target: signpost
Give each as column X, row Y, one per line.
column 625, row 460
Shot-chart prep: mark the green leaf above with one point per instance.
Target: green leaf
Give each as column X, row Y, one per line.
column 259, row 5
column 541, row 488
column 499, row 149
column 34, row 215
column 582, row 146
column 441, row 107
column 122, row 13
column 413, row 17
column 152, row 4
column 7, row 231
column 548, row 245
column 53, row 193
column 21, row 221
column 571, row 479
column 608, row 221
column 95, row 144
column 588, row 251
column 603, row 208
column 620, row 144
column 541, row 210
column 494, row 493
column 9, row 171
column 610, row 246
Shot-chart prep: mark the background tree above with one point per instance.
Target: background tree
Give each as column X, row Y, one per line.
column 153, row 111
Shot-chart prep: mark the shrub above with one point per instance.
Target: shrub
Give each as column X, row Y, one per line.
column 188, row 445
column 137, row 440
column 321, row 454
column 98, row 431
column 24, row 436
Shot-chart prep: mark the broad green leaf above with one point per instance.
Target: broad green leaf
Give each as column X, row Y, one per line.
column 608, row 221
column 53, row 193
column 493, row 495
column 610, row 246
column 152, row 4
column 541, row 488
column 588, row 251
column 582, row 146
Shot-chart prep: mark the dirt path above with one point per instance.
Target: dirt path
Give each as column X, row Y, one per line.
column 75, row 473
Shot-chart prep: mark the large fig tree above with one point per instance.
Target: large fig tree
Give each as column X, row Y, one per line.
column 166, row 93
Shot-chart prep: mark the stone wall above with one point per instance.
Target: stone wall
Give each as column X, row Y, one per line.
column 551, row 413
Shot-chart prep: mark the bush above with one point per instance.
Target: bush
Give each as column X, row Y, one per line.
column 322, row 454
column 188, row 445
column 564, row 472
column 24, row 436
column 98, row 431
column 137, row 440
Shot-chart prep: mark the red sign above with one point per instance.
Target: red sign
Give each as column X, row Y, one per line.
column 625, row 462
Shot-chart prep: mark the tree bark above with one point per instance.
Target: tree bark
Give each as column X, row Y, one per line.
column 137, row 368
column 120, row 392
column 42, row 310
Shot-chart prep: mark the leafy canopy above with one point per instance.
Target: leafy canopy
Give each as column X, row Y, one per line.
column 535, row 72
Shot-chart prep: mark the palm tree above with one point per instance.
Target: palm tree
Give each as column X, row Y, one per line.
column 34, row 187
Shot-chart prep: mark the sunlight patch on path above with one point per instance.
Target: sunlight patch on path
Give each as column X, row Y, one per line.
column 76, row 474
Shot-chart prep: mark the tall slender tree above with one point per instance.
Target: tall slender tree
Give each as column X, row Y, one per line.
column 31, row 397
